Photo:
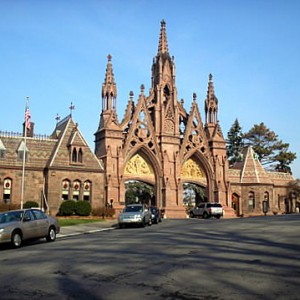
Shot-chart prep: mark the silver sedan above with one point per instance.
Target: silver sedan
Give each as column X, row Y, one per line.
column 17, row 226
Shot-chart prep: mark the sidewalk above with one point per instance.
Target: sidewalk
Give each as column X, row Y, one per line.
column 66, row 231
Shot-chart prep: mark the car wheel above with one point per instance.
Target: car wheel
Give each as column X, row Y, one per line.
column 16, row 239
column 121, row 226
column 150, row 222
column 218, row 216
column 192, row 215
column 51, row 237
column 143, row 224
column 205, row 215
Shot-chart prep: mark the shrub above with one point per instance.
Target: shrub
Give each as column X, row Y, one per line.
column 67, row 208
column 104, row 212
column 83, row 208
column 30, row 204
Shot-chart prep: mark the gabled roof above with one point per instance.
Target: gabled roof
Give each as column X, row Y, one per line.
column 251, row 169
column 68, row 134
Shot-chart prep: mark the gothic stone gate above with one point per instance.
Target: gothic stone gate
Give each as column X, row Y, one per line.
column 159, row 141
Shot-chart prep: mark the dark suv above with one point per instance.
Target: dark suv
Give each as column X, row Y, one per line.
column 207, row 210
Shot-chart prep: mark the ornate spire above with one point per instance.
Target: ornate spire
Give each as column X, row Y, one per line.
column 211, row 91
column 163, row 43
column 211, row 103
column 109, row 88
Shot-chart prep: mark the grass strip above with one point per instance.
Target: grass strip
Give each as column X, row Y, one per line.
column 71, row 222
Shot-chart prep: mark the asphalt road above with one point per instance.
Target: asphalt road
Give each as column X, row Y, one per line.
column 250, row 258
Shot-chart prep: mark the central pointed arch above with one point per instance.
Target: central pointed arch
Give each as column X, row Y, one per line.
column 142, row 165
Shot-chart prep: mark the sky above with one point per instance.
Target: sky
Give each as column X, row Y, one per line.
column 55, row 52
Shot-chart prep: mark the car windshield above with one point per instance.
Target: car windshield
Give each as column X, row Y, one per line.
column 214, row 205
column 10, row 216
column 133, row 208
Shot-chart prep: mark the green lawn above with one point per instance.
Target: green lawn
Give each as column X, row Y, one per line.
column 71, row 221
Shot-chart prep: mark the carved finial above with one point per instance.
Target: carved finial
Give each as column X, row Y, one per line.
column 109, row 57
column 210, row 77
column 142, row 89
column 131, row 94
column 163, row 44
column 72, row 107
column 57, row 118
column 194, row 97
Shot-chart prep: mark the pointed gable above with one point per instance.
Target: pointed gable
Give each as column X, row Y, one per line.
column 194, row 135
column 252, row 171
column 141, row 130
column 2, row 147
column 71, row 138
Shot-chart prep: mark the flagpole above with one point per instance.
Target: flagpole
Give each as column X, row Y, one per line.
column 27, row 119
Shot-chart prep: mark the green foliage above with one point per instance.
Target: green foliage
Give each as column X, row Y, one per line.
column 193, row 189
column 271, row 151
column 234, row 142
column 137, row 191
column 83, row 208
column 67, row 208
column 30, row 204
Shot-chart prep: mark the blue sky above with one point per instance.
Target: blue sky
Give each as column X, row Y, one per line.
column 56, row 52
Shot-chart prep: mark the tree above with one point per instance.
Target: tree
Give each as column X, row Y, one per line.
column 137, row 191
column 234, row 142
column 271, row 151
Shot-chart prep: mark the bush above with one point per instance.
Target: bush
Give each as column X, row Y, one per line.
column 30, row 204
column 104, row 212
column 67, row 208
column 83, row 208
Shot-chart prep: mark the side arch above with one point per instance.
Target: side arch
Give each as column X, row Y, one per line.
column 203, row 162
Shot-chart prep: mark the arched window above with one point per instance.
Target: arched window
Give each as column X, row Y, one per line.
column 65, row 189
column 76, row 190
column 267, row 199
column 87, row 191
column 251, row 200
column 74, row 155
column 7, row 186
column 80, row 154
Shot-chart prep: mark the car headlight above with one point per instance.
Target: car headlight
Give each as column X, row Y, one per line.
column 1, row 230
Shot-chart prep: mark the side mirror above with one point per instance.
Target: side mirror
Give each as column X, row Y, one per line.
column 26, row 219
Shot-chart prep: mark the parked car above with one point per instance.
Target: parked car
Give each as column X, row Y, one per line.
column 207, row 210
column 17, row 226
column 137, row 214
column 155, row 215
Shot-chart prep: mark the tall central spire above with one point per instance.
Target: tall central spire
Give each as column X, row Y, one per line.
column 163, row 43
column 109, row 88
column 211, row 103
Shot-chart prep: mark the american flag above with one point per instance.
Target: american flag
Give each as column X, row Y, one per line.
column 27, row 118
